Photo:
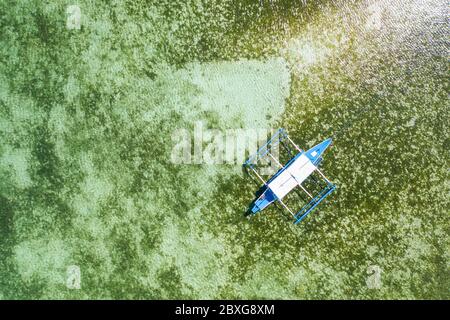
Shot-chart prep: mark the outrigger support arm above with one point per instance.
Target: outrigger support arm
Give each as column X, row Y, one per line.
column 309, row 194
column 260, row 178
column 323, row 176
column 287, row 208
column 296, row 147
column 275, row 159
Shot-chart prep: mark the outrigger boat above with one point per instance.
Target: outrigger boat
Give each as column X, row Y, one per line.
column 298, row 170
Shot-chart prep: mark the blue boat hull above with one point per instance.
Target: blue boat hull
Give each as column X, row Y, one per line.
column 266, row 198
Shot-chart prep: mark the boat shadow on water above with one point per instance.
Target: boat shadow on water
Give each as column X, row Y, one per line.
column 258, row 193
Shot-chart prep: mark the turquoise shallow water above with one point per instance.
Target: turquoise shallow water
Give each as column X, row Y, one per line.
column 87, row 118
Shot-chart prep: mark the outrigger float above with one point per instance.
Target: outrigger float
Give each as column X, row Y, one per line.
column 300, row 168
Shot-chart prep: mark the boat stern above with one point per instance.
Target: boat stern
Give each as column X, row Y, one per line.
column 266, row 198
